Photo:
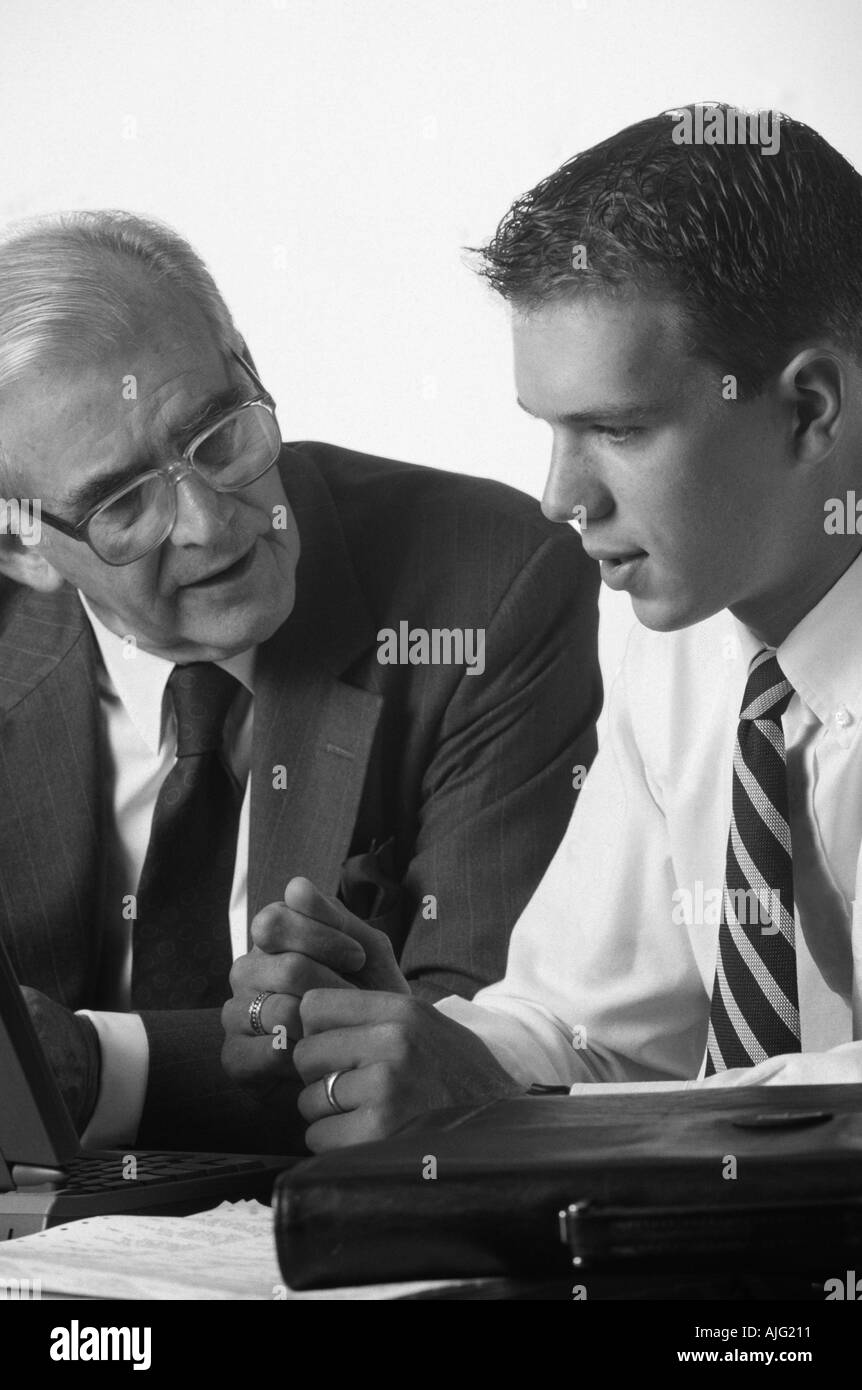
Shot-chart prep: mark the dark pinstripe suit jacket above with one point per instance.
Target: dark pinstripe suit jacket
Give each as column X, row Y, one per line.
column 402, row 780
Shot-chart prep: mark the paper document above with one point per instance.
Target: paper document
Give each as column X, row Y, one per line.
column 225, row 1253
column 636, row 1088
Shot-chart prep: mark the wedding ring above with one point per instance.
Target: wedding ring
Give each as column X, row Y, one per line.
column 329, row 1083
column 254, row 1009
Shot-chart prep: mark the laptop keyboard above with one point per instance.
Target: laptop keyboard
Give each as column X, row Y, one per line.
column 101, row 1173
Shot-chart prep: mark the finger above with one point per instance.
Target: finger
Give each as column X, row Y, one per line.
column 303, row 898
column 344, row 1049
column 285, row 973
column 302, row 895
column 360, row 1126
column 325, row 1009
column 276, row 1011
column 278, row 927
column 363, row 1115
column 248, row 1060
column 350, row 1091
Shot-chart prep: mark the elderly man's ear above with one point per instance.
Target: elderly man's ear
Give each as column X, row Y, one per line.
column 25, row 564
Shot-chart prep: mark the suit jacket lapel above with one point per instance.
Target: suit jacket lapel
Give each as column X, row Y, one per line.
column 308, row 721
column 50, row 805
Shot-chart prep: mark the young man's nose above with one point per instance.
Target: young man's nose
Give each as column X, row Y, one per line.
column 571, row 485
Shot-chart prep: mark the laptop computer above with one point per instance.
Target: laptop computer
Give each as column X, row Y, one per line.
column 46, row 1178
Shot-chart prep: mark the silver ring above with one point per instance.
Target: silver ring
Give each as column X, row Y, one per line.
column 254, row 1009
column 329, row 1083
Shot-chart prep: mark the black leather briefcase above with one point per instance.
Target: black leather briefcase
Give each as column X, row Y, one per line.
column 770, row 1177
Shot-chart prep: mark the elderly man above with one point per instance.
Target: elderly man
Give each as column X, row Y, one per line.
column 226, row 665
column 687, row 318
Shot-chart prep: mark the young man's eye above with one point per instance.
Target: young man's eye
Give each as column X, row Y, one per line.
column 615, row 434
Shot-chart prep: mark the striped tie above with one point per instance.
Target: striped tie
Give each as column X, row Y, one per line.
column 755, row 1006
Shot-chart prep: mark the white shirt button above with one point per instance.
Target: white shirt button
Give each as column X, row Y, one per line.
column 843, row 717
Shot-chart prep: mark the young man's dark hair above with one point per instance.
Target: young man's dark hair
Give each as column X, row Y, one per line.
column 763, row 249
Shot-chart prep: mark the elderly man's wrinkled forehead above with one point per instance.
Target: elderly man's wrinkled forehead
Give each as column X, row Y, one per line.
column 149, row 319
column 158, row 345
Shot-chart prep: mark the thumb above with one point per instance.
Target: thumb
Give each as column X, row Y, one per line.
column 381, row 969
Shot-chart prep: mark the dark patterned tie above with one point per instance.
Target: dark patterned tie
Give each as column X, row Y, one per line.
column 755, row 1003
column 182, row 954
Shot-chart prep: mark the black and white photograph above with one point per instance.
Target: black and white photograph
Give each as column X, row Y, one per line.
column 430, row 673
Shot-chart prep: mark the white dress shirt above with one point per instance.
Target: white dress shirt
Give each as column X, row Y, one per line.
column 139, row 750
column 606, row 982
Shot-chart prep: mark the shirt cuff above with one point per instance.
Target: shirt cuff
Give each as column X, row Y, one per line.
column 123, row 1080
column 528, row 1054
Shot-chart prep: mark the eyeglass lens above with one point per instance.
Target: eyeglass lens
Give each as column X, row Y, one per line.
column 231, row 457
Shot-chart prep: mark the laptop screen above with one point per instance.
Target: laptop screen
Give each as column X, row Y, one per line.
column 35, row 1126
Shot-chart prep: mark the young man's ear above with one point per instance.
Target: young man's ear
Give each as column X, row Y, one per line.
column 23, row 563
column 815, row 385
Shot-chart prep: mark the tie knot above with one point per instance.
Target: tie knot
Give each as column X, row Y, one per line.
column 768, row 691
column 202, row 694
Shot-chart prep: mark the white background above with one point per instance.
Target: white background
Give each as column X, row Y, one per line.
column 330, row 158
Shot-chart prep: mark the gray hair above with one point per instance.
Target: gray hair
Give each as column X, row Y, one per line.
column 74, row 281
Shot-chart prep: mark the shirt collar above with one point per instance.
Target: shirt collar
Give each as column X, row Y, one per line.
column 820, row 657
column 139, row 680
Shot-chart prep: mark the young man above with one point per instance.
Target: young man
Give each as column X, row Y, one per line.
column 687, row 318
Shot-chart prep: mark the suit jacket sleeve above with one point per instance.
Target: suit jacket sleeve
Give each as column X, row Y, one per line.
column 191, row 1103
column 499, row 790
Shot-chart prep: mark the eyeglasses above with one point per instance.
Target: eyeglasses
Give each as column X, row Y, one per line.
column 228, row 455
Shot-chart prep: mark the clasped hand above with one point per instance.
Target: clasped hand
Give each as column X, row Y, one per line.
column 338, row 1002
